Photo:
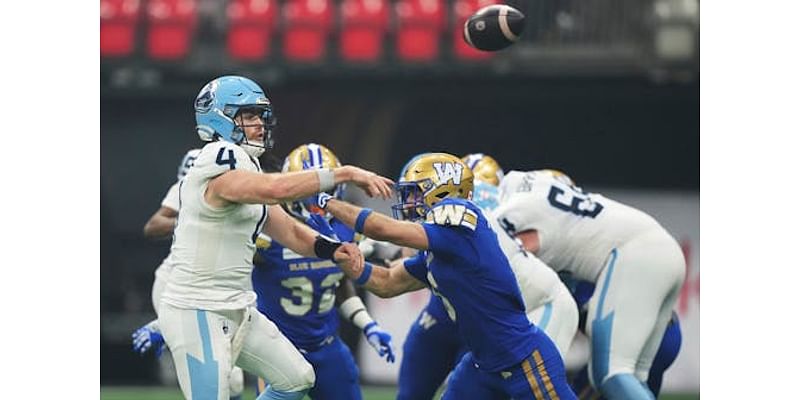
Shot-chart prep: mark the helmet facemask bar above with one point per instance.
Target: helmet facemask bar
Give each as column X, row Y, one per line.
column 269, row 122
column 411, row 206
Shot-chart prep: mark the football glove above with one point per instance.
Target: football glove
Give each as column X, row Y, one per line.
column 320, row 224
column 380, row 340
column 146, row 338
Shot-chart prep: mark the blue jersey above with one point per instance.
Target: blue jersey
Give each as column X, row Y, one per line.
column 298, row 293
column 465, row 266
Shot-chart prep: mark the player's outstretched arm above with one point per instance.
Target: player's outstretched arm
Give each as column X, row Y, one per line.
column 241, row 186
column 161, row 224
column 384, row 282
column 286, row 230
column 377, row 226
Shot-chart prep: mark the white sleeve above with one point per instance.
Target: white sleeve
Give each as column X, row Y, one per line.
column 518, row 214
column 171, row 200
column 217, row 158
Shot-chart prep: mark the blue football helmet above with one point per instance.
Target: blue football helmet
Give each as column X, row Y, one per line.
column 218, row 103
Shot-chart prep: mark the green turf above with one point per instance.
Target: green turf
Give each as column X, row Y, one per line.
column 370, row 393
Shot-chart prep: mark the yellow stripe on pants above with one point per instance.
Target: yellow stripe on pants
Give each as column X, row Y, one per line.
column 526, row 366
column 551, row 391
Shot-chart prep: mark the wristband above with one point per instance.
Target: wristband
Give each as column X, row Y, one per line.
column 353, row 310
column 326, row 179
column 324, row 247
column 362, row 219
column 364, row 277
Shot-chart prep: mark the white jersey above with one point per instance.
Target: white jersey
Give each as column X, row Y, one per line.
column 212, row 251
column 538, row 283
column 577, row 230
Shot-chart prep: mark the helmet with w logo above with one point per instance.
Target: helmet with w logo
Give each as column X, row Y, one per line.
column 428, row 179
column 310, row 156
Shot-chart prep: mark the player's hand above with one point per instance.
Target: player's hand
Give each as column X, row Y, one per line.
column 350, row 259
column 380, row 340
column 372, row 183
column 146, row 338
column 320, row 224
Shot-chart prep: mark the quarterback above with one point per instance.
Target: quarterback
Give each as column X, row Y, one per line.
column 207, row 312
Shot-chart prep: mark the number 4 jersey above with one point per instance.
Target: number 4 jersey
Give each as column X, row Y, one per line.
column 577, row 230
column 297, row 292
column 212, row 249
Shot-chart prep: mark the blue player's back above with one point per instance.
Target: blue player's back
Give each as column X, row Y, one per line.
column 298, row 293
column 467, row 268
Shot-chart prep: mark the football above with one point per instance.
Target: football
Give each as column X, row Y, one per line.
column 494, row 27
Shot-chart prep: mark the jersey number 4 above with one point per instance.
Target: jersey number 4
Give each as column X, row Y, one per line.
column 230, row 161
column 573, row 201
column 302, row 296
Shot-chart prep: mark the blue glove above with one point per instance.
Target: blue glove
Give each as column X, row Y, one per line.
column 322, row 199
column 380, row 340
column 146, row 338
column 320, row 224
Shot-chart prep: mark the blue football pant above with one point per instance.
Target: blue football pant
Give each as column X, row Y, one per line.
column 429, row 354
column 540, row 376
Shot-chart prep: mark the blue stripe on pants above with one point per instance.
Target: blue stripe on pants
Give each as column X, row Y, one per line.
column 203, row 375
column 601, row 330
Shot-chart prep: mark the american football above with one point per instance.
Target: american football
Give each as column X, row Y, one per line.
column 494, row 27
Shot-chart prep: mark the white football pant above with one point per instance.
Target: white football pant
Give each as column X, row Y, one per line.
column 201, row 346
column 632, row 304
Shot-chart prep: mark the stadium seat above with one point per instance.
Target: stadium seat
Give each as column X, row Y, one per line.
column 364, row 25
column 462, row 10
column 419, row 27
column 118, row 19
column 251, row 24
column 171, row 27
column 307, row 25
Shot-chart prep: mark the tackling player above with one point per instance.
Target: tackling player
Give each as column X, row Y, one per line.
column 637, row 266
column 301, row 294
column 463, row 263
column 206, row 311
column 433, row 345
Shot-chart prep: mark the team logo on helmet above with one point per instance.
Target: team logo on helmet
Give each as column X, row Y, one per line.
column 206, row 98
column 447, row 171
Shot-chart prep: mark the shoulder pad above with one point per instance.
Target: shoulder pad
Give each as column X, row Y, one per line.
column 452, row 214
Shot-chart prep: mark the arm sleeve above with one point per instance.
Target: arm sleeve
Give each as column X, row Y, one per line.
column 171, row 199
column 417, row 268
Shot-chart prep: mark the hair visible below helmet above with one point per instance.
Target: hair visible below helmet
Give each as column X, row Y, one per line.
column 428, row 179
column 310, row 156
column 187, row 162
column 219, row 102
column 485, row 168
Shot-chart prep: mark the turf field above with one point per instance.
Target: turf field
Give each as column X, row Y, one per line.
column 162, row 393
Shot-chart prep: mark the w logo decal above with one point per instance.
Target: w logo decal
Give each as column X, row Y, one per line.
column 448, row 171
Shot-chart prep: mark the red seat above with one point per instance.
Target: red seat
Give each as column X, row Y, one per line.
column 419, row 26
column 251, row 24
column 171, row 27
column 462, row 10
column 364, row 25
column 307, row 25
column 118, row 19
